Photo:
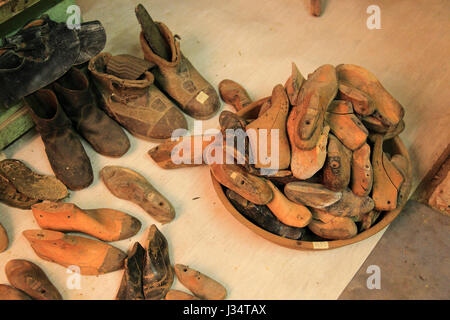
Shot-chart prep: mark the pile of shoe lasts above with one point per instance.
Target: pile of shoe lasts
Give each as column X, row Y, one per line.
column 334, row 178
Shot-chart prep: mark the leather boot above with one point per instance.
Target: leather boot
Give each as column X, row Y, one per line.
column 103, row 133
column 180, row 80
column 136, row 104
column 65, row 152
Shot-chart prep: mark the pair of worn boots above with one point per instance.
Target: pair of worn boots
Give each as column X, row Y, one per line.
column 145, row 102
column 69, row 105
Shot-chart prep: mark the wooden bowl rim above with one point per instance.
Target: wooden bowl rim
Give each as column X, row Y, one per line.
column 323, row 245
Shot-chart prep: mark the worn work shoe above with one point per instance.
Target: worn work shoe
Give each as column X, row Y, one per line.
column 158, row 275
column 136, row 104
column 65, row 152
column 75, row 96
column 35, row 57
column 32, row 184
column 131, row 287
column 13, row 198
column 42, row 52
column 180, row 80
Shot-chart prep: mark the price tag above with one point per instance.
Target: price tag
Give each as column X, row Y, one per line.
column 321, row 245
column 202, row 97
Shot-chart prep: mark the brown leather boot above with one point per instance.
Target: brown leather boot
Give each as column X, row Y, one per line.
column 136, row 104
column 103, row 133
column 65, row 152
column 180, row 80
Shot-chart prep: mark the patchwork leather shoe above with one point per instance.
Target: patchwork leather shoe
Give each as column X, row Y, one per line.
column 64, row 150
column 75, row 96
column 137, row 105
column 180, row 80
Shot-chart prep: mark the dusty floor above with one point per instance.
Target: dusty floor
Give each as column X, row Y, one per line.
column 413, row 257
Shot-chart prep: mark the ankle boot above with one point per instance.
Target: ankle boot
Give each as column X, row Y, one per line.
column 103, row 133
column 180, row 80
column 136, row 104
column 65, row 152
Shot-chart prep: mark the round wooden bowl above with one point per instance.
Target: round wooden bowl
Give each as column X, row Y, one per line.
column 396, row 147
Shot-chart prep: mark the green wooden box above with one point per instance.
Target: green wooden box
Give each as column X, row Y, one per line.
column 11, row 8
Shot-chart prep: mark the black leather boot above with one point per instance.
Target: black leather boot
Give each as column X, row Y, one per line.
column 42, row 52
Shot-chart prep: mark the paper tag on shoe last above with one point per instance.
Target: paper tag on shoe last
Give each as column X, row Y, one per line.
column 202, row 97
column 321, row 245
